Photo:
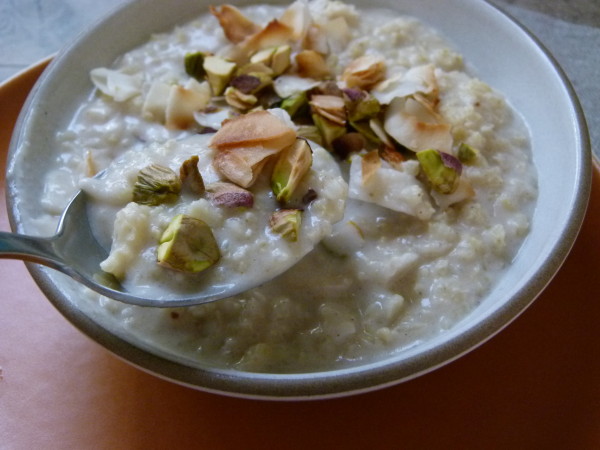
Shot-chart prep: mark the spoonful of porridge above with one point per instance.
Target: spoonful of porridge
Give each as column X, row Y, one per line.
column 195, row 220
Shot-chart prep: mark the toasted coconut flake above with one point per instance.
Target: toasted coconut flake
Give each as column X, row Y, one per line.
column 316, row 39
column 330, row 107
column 258, row 128
column 242, row 165
column 364, row 72
column 371, row 162
column 413, row 126
column 377, row 128
column 338, row 34
column 297, row 18
column 417, row 80
column 183, row 102
column 118, row 85
column 288, row 85
column 273, row 34
column 222, row 193
column 155, row 102
column 311, row 64
column 236, row 26
column 393, row 157
column 90, row 165
column 213, row 118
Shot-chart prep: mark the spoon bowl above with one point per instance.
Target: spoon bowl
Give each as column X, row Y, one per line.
column 75, row 251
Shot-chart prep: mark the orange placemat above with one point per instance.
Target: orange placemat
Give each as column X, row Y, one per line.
column 534, row 386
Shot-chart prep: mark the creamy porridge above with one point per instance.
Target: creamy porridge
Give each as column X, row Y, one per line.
column 418, row 193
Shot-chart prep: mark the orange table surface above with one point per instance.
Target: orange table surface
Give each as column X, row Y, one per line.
column 536, row 385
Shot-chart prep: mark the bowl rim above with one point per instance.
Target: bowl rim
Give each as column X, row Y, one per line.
column 340, row 382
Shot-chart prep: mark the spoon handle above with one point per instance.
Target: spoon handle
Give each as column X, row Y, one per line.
column 29, row 248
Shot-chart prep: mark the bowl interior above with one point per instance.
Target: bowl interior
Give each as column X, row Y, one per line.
column 497, row 50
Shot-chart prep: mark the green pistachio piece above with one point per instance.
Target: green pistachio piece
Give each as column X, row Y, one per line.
column 329, row 130
column 360, row 105
column 254, row 68
column 190, row 175
column 441, row 169
column 155, row 185
column 263, row 56
column 194, row 65
column 238, row 99
column 291, row 166
column 188, row 245
column 310, row 132
column 219, row 72
column 277, row 58
column 364, row 128
column 281, row 59
column 264, row 80
column 294, row 103
column 286, row 222
column 467, row 154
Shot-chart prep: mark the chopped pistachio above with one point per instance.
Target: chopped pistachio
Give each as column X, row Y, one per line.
column 218, row 72
column 292, row 165
column 364, row 128
column 263, row 56
column 329, row 130
column 294, row 103
column 286, row 222
column 190, row 175
column 188, row 245
column 467, row 154
column 463, row 191
column 281, row 59
column 441, row 169
column 362, row 106
column 222, row 193
column 329, row 87
column 236, row 98
column 364, row 72
column 265, row 80
column 310, row 132
column 349, row 143
column 155, row 185
column 254, row 68
column 330, row 107
column 246, row 84
column 194, row 65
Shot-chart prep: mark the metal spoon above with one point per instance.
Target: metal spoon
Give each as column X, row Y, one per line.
column 75, row 251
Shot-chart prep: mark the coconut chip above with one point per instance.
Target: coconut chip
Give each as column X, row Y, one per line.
column 235, row 25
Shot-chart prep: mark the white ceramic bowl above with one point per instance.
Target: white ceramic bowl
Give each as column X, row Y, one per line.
column 501, row 52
